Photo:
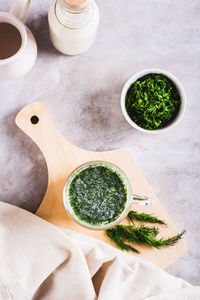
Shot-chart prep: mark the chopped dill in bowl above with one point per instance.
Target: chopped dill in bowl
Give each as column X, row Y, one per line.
column 152, row 101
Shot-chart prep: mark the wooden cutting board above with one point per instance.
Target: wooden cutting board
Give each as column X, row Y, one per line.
column 62, row 158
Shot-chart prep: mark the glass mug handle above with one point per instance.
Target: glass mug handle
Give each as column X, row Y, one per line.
column 142, row 200
column 20, row 9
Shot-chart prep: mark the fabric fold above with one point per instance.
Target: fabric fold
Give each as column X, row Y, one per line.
column 40, row 261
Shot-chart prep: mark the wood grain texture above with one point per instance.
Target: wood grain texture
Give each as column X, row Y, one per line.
column 62, row 158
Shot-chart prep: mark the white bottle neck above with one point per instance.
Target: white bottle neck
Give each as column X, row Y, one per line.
column 74, row 16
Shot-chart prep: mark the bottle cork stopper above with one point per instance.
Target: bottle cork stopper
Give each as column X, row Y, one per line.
column 75, row 4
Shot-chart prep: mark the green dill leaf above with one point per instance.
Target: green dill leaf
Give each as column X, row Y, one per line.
column 115, row 235
column 133, row 215
column 125, row 236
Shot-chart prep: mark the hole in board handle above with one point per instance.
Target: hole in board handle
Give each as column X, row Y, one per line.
column 34, row 120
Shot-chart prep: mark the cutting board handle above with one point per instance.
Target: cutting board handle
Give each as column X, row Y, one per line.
column 34, row 120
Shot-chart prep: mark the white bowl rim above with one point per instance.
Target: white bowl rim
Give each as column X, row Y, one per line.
column 179, row 87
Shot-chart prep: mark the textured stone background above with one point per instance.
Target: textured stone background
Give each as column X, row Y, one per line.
column 82, row 95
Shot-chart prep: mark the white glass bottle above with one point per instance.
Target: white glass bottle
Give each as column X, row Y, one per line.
column 73, row 25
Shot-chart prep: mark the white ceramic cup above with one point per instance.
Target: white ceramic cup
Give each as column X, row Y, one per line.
column 23, row 59
column 179, row 87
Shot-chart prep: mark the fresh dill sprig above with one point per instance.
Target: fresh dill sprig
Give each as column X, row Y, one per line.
column 121, row 234
column 135, row 234
column 152, row 241
column 142, row 235
column 114, row 234
column 133, row 215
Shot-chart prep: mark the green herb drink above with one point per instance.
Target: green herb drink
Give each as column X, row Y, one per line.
column 97, row 195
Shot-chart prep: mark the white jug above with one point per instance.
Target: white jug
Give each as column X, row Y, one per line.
column 18, row 49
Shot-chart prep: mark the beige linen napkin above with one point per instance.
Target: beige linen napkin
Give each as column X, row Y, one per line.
column 41, row 261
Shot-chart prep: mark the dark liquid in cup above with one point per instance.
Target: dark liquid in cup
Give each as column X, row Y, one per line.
column 10, row 40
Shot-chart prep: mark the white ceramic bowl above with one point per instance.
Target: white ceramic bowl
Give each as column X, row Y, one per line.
column 179, row 87
column 70, row 210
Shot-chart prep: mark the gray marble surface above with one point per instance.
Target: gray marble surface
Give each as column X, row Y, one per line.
column 82, row 96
